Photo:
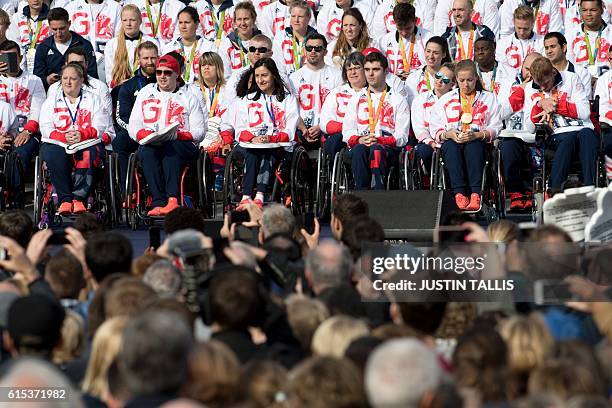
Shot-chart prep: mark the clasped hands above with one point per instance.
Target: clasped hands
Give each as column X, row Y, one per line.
column 462, row 137
column 549, row 107
column 73, row 136
column 368, row 139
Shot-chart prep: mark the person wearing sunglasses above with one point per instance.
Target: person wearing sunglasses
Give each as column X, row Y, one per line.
column 421, row 108
column 375, row 126
column 463, row 121
column 334, row 107
column 71, row 115
column 157, row 107
column 288, row 45
column 405, row 46
column 234, row 49
column 267, row 115
column 422, row 80
column 311, row 84
column 189, row 45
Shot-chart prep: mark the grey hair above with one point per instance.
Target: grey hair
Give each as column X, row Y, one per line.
column 329, row 264
column 28, row 372
column 303, row 5
column 400, row 372
column 165, row 278
column 154, row 351
column 277, row 219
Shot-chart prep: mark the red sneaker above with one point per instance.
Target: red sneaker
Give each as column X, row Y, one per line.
column 172, row 205
column 474, row 204
column 516, row 202
column 65, row 208
column 78, row 207
column 258, row 203
column 155, row 212
column 462, row 201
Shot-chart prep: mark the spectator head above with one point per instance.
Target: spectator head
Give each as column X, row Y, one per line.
column 5, row 22
column 402, row 373
column 360, row 230
column 118, row 394
column 424, row 317
column 390, row 331
column 88, row 224
column 142, row 263
column 153, row 354
column 343, row 300
column 234, row 299
column 35, row 373
column 565, row 379
column 262, row 383
column 503, row 231
column 65, row 275
column 127, row 297
column 360, row 349
column 96, row 313
column 34, row 326
column 326, row 382
column 588, row 401
column 328, row 264
column 73, row 339
column 305, row 315
column 183, row 218
column 214, row 373
column 104, row 350
column 539, row 401
column 580, row 353
column 346, row 208
column 59, row 24
column 8, row 46
column 334, row 335
column 165, row 279
column 108, row 253
column 18, row 225
column 529, row 342
column 277, row 219
column 175, row 306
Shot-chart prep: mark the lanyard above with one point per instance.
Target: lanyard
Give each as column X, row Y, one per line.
column 297, row 62
column 244, row 56
column 270, row 109
column 218, row 24
column 554, row 94
column 214, row 98
column 467, row 103
column 492, row 89
column 135, row 65
column 73, row 118
column 34, row 36
column 462, row 54
column 188, row 61
column 406, row 61
column 592, row 56
column 154, row 26
column 427, row 81
column 373, row 117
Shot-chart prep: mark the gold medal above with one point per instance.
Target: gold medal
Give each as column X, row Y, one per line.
column 466, row 118
column 593, row 70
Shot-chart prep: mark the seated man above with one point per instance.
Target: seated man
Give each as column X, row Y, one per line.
column 558, row 100
column 158, row 106
column 376, row 123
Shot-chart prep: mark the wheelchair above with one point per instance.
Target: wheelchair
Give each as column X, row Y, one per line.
column 545, row 158
column 294, row 183
column 196, row 190
column 414, row 174
column 493, row 200
column 103, row 200
column 11, row 195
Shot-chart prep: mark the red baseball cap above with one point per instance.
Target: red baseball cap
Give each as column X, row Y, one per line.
column 370, row 50
column 169, row 62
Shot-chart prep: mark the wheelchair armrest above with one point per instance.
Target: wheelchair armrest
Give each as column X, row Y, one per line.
column 605, row 127
column 542, row 131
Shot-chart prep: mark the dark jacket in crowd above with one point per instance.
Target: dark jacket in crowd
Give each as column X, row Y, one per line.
column 49, row 59
column 127, row 97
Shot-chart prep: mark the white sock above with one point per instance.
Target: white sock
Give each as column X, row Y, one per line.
column 245, row 197
column 259, row 196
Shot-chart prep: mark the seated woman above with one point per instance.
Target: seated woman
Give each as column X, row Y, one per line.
column 353, row 38
column 334, row 107
column 268, row 114
column 157, row 107
column 71, row 115
column 420, row 112
column 464, row 120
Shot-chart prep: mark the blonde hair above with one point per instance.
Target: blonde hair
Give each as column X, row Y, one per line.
column 523, row 12
column 121, row 69
column 305, row 315
column 529, row 342
column 73, row 339
column 104, row 350
column 335, row 334
column 503, row 231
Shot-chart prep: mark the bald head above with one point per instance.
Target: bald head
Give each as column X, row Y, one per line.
column 328, row 265
column 526, row 68
column 462, row 14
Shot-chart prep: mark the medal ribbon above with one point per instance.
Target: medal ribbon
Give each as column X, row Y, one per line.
column 34, row 36
column 373, row 117
column 154, row 26
column 462, row 54
column 467, row 102
column 135, row 66
column 218, row 24
column 189, row 61
column 406, row 61
column 593, row 56
column 297, row 62
column 215, row 101
column 244, row 56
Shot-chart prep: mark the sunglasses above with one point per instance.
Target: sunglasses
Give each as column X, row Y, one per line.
column 315, row 48
column 160, row 72
column 444, row 78
column 261, row 50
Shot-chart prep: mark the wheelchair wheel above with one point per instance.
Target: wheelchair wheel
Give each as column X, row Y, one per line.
column 410, row 174
column 342, row 177
column 38, row 191
column 302, row 192
column 438, row 176
column 206, row 185
column 323, row 195
column 133, row 193
column 497, row 184
column 232, row 180
column 115, row 189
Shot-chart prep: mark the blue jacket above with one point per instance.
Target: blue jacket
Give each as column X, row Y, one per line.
column 49, row 59
column 127, row 96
